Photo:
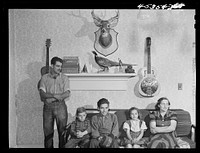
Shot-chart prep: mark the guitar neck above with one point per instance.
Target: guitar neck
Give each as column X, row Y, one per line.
column 148, row 60
column 148, row 44
column 47, row 60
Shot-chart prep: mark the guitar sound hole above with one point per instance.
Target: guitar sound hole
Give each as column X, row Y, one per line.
column 149, row 85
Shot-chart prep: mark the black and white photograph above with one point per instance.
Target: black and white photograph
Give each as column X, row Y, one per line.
column 102, row 78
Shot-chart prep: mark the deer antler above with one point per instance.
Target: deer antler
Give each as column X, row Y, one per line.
column 115, row 17
column 114, row 20
column 97, row 20
column 95, row 16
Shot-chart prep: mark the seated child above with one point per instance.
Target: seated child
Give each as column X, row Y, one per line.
column 104, row 127
column 80, row 130
column 134, row 128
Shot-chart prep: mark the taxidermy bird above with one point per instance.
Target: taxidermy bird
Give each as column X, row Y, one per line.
column 105, row 63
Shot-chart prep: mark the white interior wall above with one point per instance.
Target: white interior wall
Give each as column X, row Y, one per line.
column 72, row 34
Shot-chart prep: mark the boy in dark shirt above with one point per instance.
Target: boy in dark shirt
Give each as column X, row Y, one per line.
column 80, row 130
column 104, row 125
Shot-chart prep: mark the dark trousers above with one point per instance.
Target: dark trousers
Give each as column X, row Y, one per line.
column 56, row 111
column 81, row 142
column 94, row 143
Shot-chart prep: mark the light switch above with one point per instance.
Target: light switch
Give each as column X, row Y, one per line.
column 180, row 86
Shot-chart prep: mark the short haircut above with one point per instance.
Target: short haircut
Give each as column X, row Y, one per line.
column 134, row 108
column 159, row 101
column 55, row 59
column 80, row 110
column 102, row 101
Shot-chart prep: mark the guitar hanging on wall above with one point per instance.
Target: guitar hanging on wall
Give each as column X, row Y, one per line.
column 148, row 86
column 46, row 69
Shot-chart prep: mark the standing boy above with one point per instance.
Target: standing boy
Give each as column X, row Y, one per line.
column 105, row 128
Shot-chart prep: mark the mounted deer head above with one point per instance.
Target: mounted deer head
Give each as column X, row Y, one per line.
column 105, row 38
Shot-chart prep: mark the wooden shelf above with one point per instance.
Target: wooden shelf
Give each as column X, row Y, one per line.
column 99, row 81
column 123, row 75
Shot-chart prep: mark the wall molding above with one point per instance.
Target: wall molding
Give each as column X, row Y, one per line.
column 97, row 81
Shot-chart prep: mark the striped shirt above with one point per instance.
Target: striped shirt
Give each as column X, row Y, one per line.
column 163, row 121
column 163, row 140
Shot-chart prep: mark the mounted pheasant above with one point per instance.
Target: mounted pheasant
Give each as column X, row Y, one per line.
column 105, row 63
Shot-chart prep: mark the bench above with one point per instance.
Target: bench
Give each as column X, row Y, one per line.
column 185, row 130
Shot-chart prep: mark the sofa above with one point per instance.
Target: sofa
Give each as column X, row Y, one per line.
column 185, row 130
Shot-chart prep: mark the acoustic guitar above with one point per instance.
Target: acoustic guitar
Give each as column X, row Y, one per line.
column 46, row 69
column 148, row 85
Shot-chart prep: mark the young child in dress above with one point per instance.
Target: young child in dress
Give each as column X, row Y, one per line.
column 134, row 128
column 80, row 130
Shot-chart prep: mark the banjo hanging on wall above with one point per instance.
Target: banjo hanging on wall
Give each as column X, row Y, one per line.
column 148, row 85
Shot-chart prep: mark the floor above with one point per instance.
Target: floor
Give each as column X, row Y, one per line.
column 55, row 139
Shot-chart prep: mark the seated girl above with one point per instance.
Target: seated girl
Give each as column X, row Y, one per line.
column 134, row 128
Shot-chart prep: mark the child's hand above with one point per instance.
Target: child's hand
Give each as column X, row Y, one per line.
column 79, row 134
column 99, row 138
